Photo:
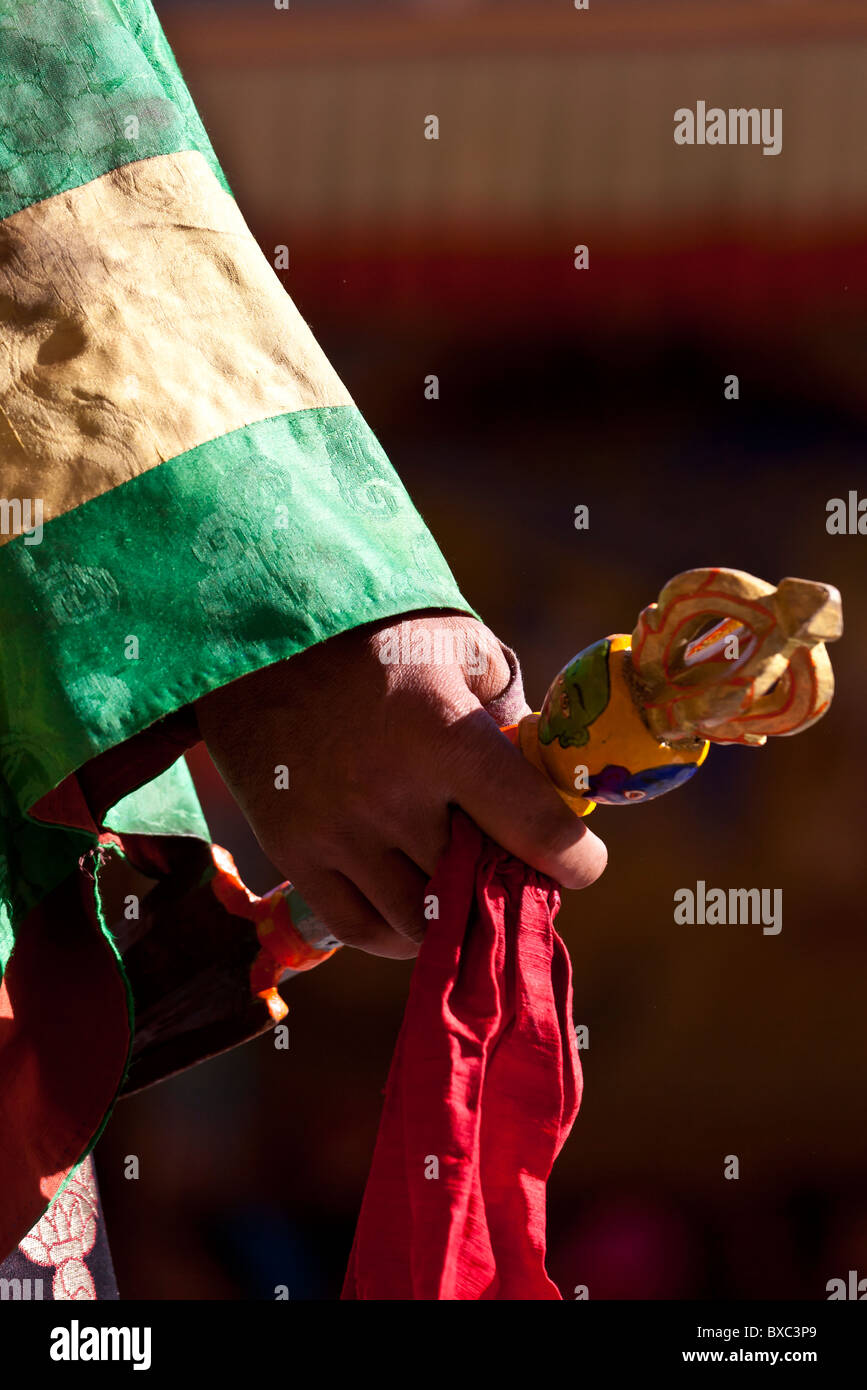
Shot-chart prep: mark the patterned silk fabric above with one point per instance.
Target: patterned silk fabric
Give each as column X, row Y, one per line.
column 66, row 1256
column 188, row 494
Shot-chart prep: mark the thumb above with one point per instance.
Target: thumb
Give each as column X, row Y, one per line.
column 495, row 680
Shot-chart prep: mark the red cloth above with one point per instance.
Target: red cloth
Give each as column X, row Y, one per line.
column 485, row 1085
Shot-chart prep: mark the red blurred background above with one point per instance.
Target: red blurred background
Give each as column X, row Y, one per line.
column 454, row 257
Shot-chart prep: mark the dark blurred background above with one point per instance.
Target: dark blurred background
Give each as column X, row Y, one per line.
column 455, row 257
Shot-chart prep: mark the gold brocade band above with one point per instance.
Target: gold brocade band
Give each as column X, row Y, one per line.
column 138, row 319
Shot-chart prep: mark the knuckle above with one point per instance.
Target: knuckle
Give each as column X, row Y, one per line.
column 553, row 831
column 462, row 751
column 352, row 931
column 585, row 863
column 409, row 927
column 405, row 918
column 578, row 856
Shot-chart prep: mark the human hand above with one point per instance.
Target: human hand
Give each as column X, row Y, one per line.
column 383, row 729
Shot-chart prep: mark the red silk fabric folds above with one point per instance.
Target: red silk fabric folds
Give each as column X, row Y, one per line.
column 484, row 1087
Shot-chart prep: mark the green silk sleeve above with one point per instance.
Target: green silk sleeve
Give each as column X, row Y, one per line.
column 190, row 491
column 188, row 494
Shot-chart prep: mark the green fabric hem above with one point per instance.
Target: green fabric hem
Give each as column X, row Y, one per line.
column 241, row 552
column 166, row 805
column 84, row 89
column 34, row 860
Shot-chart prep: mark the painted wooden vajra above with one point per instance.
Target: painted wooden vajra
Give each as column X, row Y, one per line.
column 721, row 657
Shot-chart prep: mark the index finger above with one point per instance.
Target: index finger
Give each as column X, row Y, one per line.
column 516, row 805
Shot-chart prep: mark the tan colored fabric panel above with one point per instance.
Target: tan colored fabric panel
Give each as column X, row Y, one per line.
column 138, row 318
